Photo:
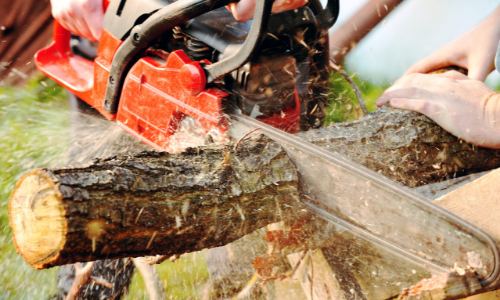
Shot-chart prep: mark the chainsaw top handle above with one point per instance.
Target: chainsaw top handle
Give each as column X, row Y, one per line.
column 181, row 11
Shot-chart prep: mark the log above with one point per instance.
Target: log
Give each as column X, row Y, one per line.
column 159, row 203
column 151, row 203
column 405, row 146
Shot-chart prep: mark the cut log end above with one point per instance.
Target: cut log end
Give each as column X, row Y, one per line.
column 37, row 219
column 152, row 203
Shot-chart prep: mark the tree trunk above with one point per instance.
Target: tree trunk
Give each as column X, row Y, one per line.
column 159, row 203
column 405, row 146
column 151, row 203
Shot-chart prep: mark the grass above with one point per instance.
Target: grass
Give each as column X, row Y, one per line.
column 34, row 132
column 182, row 279
column 342, row 103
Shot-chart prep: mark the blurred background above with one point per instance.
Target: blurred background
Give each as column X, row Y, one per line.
column 415, row 29
column 34, row 115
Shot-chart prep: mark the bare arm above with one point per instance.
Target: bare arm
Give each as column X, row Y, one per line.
column 475, row 50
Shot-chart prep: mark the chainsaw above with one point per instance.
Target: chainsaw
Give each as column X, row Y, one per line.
column 162, row 61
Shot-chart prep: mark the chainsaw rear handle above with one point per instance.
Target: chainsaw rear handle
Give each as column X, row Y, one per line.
column 179, row 12
column 62, row 36
column 59, row 52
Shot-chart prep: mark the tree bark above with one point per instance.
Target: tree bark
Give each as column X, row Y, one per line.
column 159, row 203
column 152, row 203
column 405, row 146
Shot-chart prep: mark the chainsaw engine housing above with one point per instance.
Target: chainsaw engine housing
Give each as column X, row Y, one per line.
column 159, row 61
column 276, row 84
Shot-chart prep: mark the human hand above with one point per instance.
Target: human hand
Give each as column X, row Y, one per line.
column 245, row 9
column 81, row 17
column 466, row 108
column 474, row 50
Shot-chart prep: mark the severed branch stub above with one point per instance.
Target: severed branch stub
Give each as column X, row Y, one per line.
column 353, row 85
column 157, row 259
column 244, row 137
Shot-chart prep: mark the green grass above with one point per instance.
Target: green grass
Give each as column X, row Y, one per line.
column 182, row 279
column 34, row 132
column 342, row 103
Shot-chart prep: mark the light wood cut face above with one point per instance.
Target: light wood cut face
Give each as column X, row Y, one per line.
column 37, row 219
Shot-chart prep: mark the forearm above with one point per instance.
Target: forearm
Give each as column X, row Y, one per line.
column 490, row 105
column 474, row 50
column 492, row 23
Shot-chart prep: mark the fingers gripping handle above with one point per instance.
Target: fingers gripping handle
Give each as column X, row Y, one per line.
column 75, row 73
column 62, row 36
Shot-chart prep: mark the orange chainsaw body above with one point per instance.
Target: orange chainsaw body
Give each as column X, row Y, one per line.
column 152, row 101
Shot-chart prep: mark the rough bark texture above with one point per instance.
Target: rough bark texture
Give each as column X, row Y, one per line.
column 156, row 203
column 405, row 146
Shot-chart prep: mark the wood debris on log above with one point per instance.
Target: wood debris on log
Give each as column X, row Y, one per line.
column 152, row 203
column 405, row 146
column 158, row 203
column 447, row 286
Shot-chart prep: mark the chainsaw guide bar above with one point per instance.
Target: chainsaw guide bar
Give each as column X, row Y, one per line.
column 382, row 212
